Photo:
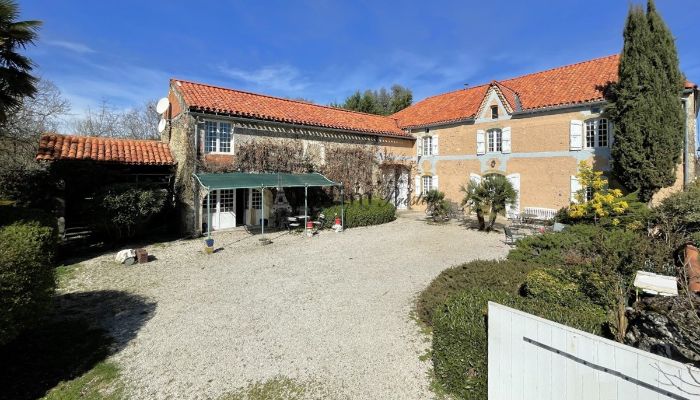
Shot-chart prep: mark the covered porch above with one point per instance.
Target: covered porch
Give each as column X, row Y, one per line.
column 235, row 199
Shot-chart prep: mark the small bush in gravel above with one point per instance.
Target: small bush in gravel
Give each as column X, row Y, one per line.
column 460, row 339
column 507, row 276
column 362, row 213
column 26, row 275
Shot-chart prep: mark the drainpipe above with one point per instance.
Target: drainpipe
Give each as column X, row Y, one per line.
column 686, row 157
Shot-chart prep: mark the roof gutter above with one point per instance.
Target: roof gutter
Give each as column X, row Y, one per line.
column 558, row 108
column 442, row 123
column 286, row 124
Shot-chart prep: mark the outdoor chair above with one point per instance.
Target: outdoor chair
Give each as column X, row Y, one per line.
column 512, row 235
column 292, row 223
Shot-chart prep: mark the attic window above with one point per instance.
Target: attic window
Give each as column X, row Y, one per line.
column 494, row 112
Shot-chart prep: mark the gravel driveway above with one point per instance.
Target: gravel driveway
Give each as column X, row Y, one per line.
column 332, row 312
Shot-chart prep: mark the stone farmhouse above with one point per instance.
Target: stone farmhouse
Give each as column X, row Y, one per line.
column 533, row 129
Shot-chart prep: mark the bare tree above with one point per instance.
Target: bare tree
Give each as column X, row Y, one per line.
column 19, row 135
column 134, row 123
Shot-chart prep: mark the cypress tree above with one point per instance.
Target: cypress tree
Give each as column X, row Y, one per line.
column 645, row 105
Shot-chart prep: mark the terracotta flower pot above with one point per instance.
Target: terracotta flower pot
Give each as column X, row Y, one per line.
column 692, row 267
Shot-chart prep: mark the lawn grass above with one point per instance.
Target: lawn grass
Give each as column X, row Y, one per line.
column 65, row 273
column 278, row 388
column 100, row 383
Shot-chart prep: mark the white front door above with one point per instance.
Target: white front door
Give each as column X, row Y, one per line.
column 221, row 210
column 255, row 206
column 227, row 209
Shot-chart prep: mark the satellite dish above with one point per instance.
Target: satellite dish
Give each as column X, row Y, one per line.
column 161, row 125
column 162, row 105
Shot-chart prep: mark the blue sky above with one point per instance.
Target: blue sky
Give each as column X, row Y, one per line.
column 125, row 51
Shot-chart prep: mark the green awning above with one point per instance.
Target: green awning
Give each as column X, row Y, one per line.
column 243, row 180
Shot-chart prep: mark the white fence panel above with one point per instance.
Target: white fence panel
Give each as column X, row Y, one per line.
column 533, row 358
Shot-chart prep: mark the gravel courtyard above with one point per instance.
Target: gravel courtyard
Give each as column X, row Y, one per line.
column 332, row 313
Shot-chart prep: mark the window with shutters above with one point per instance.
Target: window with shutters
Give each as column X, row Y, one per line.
column 494, row 140
column 427, row 144
column 596, row 133
column 217, row 137
column 427, row 183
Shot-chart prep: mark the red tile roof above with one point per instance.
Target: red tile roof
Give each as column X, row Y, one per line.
column 53, row 147
column 571, row 84
column 209, row 98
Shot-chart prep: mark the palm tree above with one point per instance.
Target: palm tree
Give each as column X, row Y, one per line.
column 491, row 197
column 16, row 81
column 476, row 198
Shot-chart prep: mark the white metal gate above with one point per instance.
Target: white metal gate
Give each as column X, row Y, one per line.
column 533, row 358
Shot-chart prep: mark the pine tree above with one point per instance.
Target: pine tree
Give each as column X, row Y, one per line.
column 645, row 105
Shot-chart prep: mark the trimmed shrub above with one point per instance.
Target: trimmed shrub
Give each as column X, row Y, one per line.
column 554, row 285
column 362, row 213
column 573, row 246
column 26, row 275
column 505, row 276
column 460, row 339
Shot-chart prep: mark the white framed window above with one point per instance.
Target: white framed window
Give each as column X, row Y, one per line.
column 596, row 133
column 427, row 183
column 427, row 143
column 212, row 201
column 226, row 200
column 217, row 137
column 256, row 199
column 495, row 140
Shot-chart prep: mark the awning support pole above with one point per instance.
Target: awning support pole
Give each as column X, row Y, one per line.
column 208, row 214
column 262, row 212
column 342, row 207
column 306, row 207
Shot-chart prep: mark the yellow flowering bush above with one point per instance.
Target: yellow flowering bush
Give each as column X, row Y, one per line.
column 603, row 201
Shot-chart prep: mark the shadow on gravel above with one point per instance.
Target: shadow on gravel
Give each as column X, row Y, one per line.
column 82, row 330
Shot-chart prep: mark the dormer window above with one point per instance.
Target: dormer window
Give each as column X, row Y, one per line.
column 494, row 112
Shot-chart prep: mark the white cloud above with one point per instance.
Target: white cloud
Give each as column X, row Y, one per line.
column 282, row 78
column 72, row 46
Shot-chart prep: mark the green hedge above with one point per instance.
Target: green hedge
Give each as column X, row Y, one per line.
column 505, row 275
column 362, row 213
column 26, row 274
column 460, row 338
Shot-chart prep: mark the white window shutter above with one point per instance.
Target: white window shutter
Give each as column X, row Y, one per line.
column 419, row 146
column 419, row 185
column 475, row 177
column 512, row 211
column 505, row 140
column 435, row 183
column 480, row 142
column 576, row 135
column 575, row 187
column 435, row 145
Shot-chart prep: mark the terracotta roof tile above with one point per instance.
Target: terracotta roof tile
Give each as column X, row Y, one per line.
column 209, row 98
column 571, row 84
column 53, row 147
